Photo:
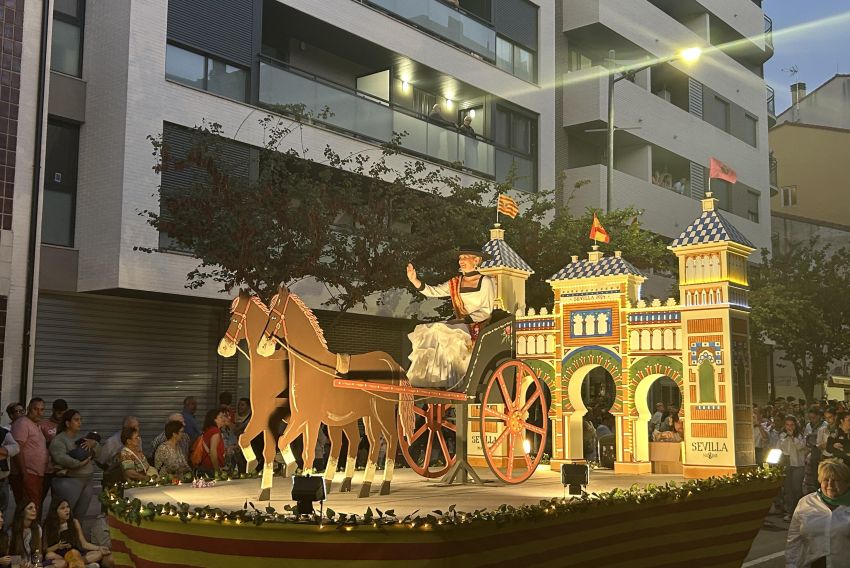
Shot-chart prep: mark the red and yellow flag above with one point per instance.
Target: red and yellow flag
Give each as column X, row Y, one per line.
column 719, row 170
column 507, row 206
column 598, row 232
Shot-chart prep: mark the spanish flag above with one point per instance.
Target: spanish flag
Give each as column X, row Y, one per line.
column 507, row 206
column 598, row 232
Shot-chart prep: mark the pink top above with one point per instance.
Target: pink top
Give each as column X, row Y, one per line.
column 33, row 445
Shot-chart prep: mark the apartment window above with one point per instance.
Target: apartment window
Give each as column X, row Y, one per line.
column 60, row 184
column 513, row 130
column 753, row 206
column 206, row 73
column 66, row 54
column 750, row 129
column 789, row 196
column 721, row 109
column 514, row 59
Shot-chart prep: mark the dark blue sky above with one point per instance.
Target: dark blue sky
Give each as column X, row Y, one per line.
column 814, row 35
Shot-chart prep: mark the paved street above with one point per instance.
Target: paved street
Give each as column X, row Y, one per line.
column 768, row 550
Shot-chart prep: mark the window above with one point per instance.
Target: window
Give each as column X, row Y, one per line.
column 789, row 196
column 60, row 184
column 750, row 130
column 206, row 73
column 514, row 59
column 66, row 54
column 753, row 206
column 577, row 60
column 514, row 131
column 721, row 114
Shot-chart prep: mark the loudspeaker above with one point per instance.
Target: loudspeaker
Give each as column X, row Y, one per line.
column 574, row 476
column 307, row 489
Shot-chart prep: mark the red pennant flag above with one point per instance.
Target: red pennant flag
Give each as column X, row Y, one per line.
column 508, row 206
column 598, row 232
column 719, row 170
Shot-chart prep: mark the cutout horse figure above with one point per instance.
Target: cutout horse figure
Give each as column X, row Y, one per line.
column 313, row 397
column 269, row 385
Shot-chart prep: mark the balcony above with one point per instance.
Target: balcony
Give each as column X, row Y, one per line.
column 774, row 175
column 771, row 107
column 445, row 22
column 375, row 119
column 768, row 36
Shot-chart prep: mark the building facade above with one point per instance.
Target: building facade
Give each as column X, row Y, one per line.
column 115, row 330
column 672, row 117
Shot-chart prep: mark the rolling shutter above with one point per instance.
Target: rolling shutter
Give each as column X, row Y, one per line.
column 112, row 357
column 517, row 21
column 223, row 29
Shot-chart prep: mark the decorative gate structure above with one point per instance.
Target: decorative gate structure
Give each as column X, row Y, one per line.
column 599, row 319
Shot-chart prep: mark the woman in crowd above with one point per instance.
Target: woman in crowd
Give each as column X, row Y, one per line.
column 133, row 462
column 63, row 533
column 441, row 350
column 26, row 534
column 169, row 458
column 5, row 544
column 819, row 535
column 213, row 460
column 793, row 446
column 74, row 455
column 838, row 444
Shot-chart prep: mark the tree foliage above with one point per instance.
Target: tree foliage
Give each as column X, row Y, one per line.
column 800, row 303
column 352, row 222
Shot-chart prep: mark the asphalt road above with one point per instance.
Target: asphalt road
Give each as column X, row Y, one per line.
column 768, row 550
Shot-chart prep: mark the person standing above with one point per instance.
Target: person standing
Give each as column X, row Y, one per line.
column 31, row 462
column 8, row 449
column 49, row 426
column 838, row 444
column 793, row 447
column 75, row 457
column 819, row 535
column 190, row 423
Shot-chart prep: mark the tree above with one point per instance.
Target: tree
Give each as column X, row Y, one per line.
column 350, row 223
column 799, row 302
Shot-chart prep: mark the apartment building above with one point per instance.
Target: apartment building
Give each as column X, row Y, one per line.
column 670, row 117
column 115, row 330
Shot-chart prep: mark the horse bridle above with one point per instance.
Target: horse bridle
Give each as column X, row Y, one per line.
column 284, row 341
column 240, row 323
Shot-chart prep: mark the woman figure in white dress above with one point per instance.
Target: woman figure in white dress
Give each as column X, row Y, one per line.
column 441, row 351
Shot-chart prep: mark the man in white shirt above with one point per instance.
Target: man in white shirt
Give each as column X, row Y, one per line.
column 8, row 449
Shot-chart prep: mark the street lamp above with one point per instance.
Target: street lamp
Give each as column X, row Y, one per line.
column 615, row 73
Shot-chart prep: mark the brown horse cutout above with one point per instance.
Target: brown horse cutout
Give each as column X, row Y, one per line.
column 313, row 397
column 248, row 316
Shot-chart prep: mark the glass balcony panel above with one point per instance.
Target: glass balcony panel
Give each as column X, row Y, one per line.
column 445, row 22
column 524, row 170
column 416, row 139
column 476, row 154
column 442, row 143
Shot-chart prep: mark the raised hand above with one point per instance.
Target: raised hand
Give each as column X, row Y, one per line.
column 411, row 274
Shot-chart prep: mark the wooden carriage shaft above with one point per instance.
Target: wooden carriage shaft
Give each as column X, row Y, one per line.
column 397, row 389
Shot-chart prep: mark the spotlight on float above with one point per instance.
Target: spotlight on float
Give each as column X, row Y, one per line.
column 526, row 446
column 306, row 490
column 774, row 456
column 575, row 476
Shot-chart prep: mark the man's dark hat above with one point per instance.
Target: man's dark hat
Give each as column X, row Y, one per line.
column 472, row 250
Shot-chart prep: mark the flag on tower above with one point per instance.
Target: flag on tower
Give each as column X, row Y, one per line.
column 598, row 232
column 719, row 170
column 507, row 206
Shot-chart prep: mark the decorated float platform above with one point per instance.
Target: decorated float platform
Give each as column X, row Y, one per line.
column 647, row 520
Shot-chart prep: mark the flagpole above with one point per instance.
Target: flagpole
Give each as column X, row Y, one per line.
column 497, row 207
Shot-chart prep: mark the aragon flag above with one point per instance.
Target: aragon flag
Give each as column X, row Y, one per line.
column 507, row 206
column 719, row 170
column 598, row 232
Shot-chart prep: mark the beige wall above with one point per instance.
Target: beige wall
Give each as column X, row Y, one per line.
column 816, row 160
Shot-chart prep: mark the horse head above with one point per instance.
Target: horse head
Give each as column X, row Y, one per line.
column 237, row 328
column 275, row 324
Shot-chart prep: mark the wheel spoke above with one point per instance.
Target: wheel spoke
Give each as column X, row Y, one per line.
column 418, row 433
column 498, row 441
column 505, row 395
column 530, row 401
column 510, row 455
column 443, row 446
column 533, row 428
column 518, row 383
column 427, row 463
column 494, row 414
column 420, row 411
column 527, row 460
column 449, row 425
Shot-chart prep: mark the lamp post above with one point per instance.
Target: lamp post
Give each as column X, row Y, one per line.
column 616, row 74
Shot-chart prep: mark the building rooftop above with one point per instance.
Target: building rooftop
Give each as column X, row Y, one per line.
column 501, row 253
column 711, row 227
column 595, row 266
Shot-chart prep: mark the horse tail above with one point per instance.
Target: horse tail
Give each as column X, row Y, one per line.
column 405, row 409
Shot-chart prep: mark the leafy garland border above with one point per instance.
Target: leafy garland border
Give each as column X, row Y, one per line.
column 133, row 511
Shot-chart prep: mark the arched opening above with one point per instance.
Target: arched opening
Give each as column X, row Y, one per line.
column 650, row 391
column 535, row 418
column 592, row 435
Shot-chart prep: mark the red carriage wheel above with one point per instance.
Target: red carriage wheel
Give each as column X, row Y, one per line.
column 519, row 394
column 431, row 450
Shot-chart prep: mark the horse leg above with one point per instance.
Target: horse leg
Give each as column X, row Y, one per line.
column 253, row 428
column 374, row 447
column 352, row 432
column 391, row 438
column 335, row 434
column 311, row 436
column 293, row 430
column 268, row 465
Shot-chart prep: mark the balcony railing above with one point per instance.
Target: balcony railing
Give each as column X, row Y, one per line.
column 445, row 22
column 376, row 119
column 774, row 171
column 768, row 33
column 771, row 101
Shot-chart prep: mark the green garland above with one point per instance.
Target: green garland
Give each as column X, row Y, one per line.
column 132, row 510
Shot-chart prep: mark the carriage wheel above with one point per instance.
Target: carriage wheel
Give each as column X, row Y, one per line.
column 431, row 450
column 515, row 387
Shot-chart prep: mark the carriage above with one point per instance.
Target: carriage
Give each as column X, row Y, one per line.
column 510, row 409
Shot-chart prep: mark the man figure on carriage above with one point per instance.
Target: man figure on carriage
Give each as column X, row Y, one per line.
column 441, row 350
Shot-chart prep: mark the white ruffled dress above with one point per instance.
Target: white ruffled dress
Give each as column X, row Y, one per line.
column 441, row 351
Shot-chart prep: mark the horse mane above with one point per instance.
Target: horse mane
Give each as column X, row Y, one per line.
column 311, row 317
column 260, row 304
